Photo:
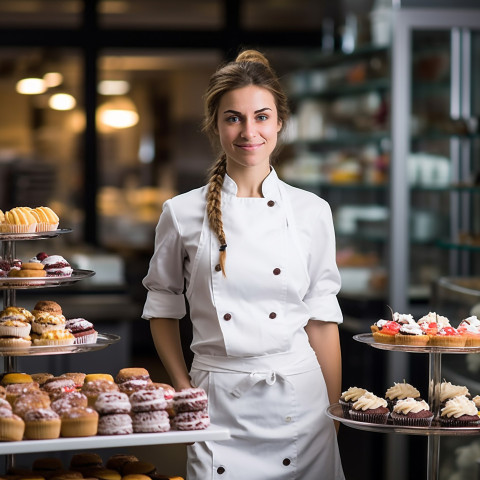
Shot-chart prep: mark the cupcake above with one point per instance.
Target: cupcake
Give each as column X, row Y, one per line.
column 387, row 333
column 16, row 313
column 348, row 398
column 476, row 401
column 470, row 329
column 459, row 412
column 447, row 337
column 19, row 220
column 401, row 391
column 16, row 389
column 47, row 219
column 48, row 306
column 14, row 328
column 370, row 408
column 82, row 330
column 432, row 323
column 57, row 266
column 411, row 334
column 53, row 337
column 449, row 391
column 79, row 422
column 411, row 412
column 42, row 423
column 67, row 401
column 46, row 322
column 12, row 426
column 33, row 400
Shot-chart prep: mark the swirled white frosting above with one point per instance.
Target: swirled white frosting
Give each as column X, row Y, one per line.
column 369, row 401
column 476, row 400
column 410, row 405
column 432, row 317
column 403, row 318
column 353, row 394
column 402, row 390
column 447, row 390
column 458, row 406
column 471, row 324
column 411, row 329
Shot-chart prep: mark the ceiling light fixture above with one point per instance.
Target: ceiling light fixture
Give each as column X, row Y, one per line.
column 31, row 86
column 119, row 112
column 62, row 101
column 113, row 87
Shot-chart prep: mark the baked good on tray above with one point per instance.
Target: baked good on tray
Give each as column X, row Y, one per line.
column 411, row 412
column 400, row 391
column 348, row 398
column 411, row 334
column 370, row 408
column 459, row 412
column 387, row 333
column 447, row 337
column 470, row 328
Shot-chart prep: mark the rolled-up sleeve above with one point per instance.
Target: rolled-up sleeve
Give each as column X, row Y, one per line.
column 165, row 278
column 325, row 283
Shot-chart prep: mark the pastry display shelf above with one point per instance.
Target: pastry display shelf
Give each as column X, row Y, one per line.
column 112, row 441
column 11, row 237
column 7, row 283
column 433, row 433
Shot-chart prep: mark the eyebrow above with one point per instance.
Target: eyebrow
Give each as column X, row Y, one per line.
column 256, row 111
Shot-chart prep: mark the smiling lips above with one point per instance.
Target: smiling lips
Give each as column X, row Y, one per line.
column 249, row 146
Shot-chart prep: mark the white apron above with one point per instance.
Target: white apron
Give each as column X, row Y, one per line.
column 274, row 405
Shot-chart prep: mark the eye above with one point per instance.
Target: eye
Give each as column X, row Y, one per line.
column 262, row 117
column 233, row 119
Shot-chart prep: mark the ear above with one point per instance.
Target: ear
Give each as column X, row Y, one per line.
column 279, row 125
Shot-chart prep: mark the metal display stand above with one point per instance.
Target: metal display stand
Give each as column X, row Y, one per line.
column 434, row 432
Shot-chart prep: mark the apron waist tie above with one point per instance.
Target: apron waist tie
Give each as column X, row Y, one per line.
column 253, row 378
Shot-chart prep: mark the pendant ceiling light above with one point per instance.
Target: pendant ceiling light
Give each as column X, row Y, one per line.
column 31, row 86
column 62, row 101
column 118, row 112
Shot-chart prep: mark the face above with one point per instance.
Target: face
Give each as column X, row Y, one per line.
column 248, row 126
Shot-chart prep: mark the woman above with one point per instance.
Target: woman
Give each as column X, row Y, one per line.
column 258, row 257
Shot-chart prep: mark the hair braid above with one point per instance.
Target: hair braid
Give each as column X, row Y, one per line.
column 214, row 204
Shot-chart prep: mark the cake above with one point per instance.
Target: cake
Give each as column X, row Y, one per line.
column 14, row 328
column 411, row 334
column 47, row 219
column 370, row 408
column 155, row 421
column 42, row 423
column 69, row 400
column 82, row 330
column 432, row 323
column 401, row 391
column 190, row 399
column 470, row 329
column 57, row 266
column 348, row 398
column 387, row 332
column 115, row 424
column 131, row 386
column 77, row 377
column 57, row 386
column 112, row 402
column 411, row 412
column 447, row 337
column 92, row 389
column 198, row 420
column 459, row 412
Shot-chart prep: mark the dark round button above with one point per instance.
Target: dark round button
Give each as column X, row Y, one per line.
column 218, row 268
column 286, row 462
column 227, row 316
column 270, row 203
column 220, row 470
column 276, row 271
column 273, row 315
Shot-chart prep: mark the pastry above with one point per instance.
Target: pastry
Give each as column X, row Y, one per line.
column 28, row 270
column 48, row 306
column 117, row 461
column 82, row 330
column 370, row 408
column 15, row 343
column 12, row 426
column 112, row 402
column 47, row 465
column 470, row 329
column 77, row 377
column 53, row 337
column 79, row 422
column 85, row 460
column 14, row 390
column 400, row 391
column 115, row 424
column 348, row 398
column 139, row 467
column 57, row 386
column 190, row 399
column 16, row 313
column 69, row 400
column 47, row 219
column 432, row 323
column 41, row 378
column 19, row 220
column 150, row 422
column 411, row 412
column 93, row 377
column 14, row 328
column 447, row 337
column 198, row 420
column 131, row 386
column 168, row 393
column 148, row 400
column 46, row 322
column 459, row 412
column 135, row 373
column 42, row 423
column 57, row 266
column 92, row 389
column 387, row 332
column 13, row 378
column 30, row 401
column 411, row 334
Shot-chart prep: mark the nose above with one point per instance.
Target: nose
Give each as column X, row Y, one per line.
column 248, row 130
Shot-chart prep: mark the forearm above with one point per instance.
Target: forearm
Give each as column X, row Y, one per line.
column 325, row 341
column 166, row 337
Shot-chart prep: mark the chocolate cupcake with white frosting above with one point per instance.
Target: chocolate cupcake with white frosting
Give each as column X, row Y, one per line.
column 370, row 408
column 412, row 413
column 459, row 412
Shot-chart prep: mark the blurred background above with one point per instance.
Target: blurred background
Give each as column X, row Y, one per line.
column 100, row 113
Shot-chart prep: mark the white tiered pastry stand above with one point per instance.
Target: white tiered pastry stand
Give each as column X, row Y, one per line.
column 433, row 432
column 9, row 286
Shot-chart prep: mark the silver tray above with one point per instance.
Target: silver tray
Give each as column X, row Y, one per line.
column 41, row 282
column 369, row 340
column 33, row 236
column 103, row 340
column 335, row 412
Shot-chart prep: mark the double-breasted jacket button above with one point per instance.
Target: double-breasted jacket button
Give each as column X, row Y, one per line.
column 276, row 271
column 270, row 203
column 227, row 316
column 273, row 315
column 218, row 268
column 286, row 462
column 220, row 470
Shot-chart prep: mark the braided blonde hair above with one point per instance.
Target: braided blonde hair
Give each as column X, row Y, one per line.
column 249, row 68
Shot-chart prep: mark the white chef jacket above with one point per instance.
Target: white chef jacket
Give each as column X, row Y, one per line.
column 251, row 349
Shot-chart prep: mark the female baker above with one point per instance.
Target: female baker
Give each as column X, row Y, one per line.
column 258, row 257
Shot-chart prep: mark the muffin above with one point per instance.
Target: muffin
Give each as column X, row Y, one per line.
column 411, row 334
column 16, row 313
column 79, row 422
column 11, row 426
column 46, row 321
column 30, row 401
column 348, row 398
column 48, row 306
column 67, row 401
column 459, row 412
column 17, row 389
column 93, row 389
column 447, row 337
column 14, row 328
column 411, row 412
column 401, row 391
column 53, row 337
column 42, row 423
column 370, row 408
column 77, row 377
column 57, row 386
column 387, row 333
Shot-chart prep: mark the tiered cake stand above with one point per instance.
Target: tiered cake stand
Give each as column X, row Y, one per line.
column 433, row 432
column 10, row 285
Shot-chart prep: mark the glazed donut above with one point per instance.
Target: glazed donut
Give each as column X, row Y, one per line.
column 150, row 422
column 112, row 402
column 56, row 386
column 198, row 420
column 136, row 373
column 115, row 424
column 131, row 386
column 190, row 400
column 148, row 400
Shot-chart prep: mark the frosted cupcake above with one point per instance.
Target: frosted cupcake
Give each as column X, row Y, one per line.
column 447, row 337
column 432, row 323
column 370, row 408
column 459, row 412
column 470, row 329
column 411, row 412
column 387, row 333
column 449, row 391
column 411, row 334
column 348, row 398
column 401, row 391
